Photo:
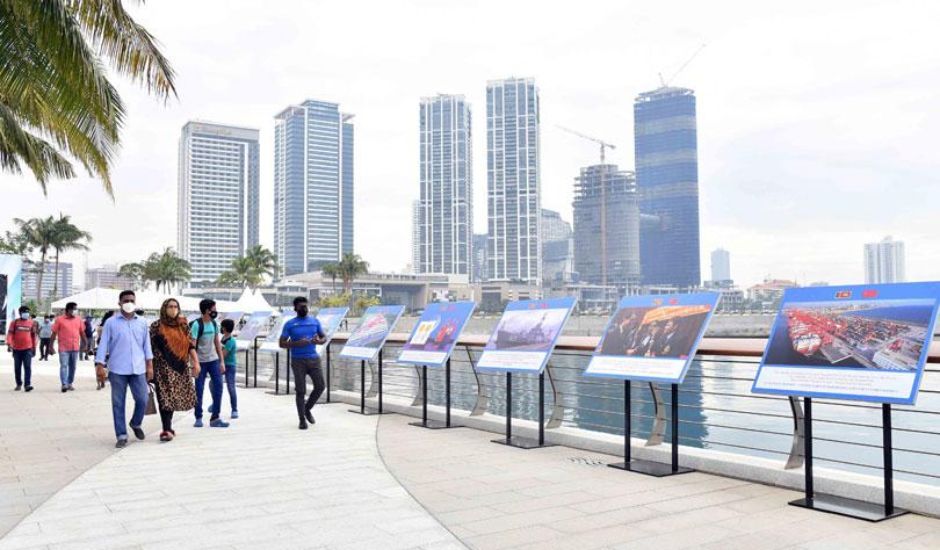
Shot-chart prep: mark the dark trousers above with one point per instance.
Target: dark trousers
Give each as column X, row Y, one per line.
column 23, row 361
column 44, row 349
column 304, row 367
column 166, row 418
column 213, row 371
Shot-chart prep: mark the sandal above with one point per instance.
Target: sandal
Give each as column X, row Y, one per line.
column 166, row 437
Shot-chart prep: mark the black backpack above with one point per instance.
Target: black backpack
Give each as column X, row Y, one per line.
column 202, row 327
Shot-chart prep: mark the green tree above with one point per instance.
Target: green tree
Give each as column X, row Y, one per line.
column 66, row 236
column 350, row 267
column 248, row 271
column 331, row 271
column 166, row 269
column 135, row 271
column 38, row 234
column 15, row 243
column 56, row 55
column 263, row 261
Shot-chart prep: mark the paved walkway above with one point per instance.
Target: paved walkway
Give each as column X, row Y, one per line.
column 365, row 482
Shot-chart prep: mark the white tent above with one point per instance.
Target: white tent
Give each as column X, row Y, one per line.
column 250, row 302
column 107, row 298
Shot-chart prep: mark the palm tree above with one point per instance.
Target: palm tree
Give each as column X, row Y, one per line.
column 135, row 271
column 39, row 233
column 242, row 274
column 263, row 261
column 15, row 243
column 350, row 267
column 66, row 237
column 54, row 83
column 166, row 269
column 332, row 271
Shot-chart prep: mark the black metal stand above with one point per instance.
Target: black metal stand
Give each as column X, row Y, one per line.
column 425, row 422
column 277, row 373
column 363, row 410
column 655, row 469
column 287, row 373
column 524, row 442
column 328, row 369
column 255, row 345
column 247, row 357
column 852, row 508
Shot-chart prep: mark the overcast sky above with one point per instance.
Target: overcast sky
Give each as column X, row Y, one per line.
column 817, row 121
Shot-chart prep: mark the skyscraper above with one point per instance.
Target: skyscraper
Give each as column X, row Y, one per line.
column 620, row 230
column 513, row 181
column 218, row 196
column 313, row 185
column 884, row 261
column 557, row 248
column 479, row 258
column 446, row 211
column 721, row 265
column 667, row 181
column 415, row 235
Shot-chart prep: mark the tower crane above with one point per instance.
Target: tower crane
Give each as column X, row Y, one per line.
column 604, row 146
column 682, row 68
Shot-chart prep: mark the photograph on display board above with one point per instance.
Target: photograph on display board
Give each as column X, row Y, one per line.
column 272, row 342
column 330, row 320
column 861, row 342
column 368, row 337
column 653, row 337
column 525, row 335
column 251, row 329
column 436, row 333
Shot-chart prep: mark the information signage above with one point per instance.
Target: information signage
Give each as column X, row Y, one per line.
column 369, row 337
column 251, row 329
column 272, row 342
column 330, row 319
column 525, row 336
column 436, row 333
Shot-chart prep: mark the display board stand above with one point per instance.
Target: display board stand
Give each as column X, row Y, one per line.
column 363, row 410
column 434, row 424
column 524, row 442
column 845, row 506
column 647, row 467
column 277, row 373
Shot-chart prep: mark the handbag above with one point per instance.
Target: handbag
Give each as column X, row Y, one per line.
column 151, row 401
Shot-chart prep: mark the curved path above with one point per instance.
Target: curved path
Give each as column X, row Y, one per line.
column 260, row 484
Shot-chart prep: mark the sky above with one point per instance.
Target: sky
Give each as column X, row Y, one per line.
column 818, row 122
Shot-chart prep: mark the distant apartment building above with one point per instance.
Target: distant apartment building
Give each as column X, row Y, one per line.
column 721, row 265
column 884, row 262
column 415, row 235
column 313, row 185
column 557, row 249
column 513, row 181
column 606, row 227
column 218, row 196
column 445, row 212
column 106, row 276
column 666, row 151
column 50, row 289
column 769, row 292
column 478, row 273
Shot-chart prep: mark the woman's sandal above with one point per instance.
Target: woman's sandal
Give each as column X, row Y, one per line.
column 166, row 437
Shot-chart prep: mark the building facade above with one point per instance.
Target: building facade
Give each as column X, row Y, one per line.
column 606, row 226
column 51, row 288
column 106, row 276
column 479, row 258
column 557, row 249
column 513, row 182
column 445, row 213
column 721, row 265
column 218, row 200
column 313, row 185
column 415, row 235
column 884, row 262
column 666, row 150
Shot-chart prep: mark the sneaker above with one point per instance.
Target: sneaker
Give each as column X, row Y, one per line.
column 18, row 386
column 29, row 388
column 198, row 423
column 64, row 388
column 218, row 423
column 303, row 424
column 138, row 432
column 121, row 443
column 309, row 416
column 234, row 415
column 71, row 387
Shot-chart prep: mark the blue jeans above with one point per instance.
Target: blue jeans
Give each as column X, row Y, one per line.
column 213, row 371
column 23, row 361
column 67, row 362
column 119, row 385
column 230, row 372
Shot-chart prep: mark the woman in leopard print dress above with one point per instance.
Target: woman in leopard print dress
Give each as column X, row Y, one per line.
column 175, row 364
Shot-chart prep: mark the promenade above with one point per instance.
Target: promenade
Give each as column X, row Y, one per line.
column 363, row 482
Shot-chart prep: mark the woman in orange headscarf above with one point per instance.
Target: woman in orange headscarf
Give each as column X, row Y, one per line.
column 175, row 364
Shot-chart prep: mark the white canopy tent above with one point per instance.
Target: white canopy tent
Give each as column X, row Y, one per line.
column 249, row 302
column 107, row 298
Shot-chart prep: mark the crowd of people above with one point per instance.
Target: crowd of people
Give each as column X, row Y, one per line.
column 172, row 355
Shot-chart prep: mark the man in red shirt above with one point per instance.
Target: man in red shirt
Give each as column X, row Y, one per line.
column 69, row 329
column 22, row 340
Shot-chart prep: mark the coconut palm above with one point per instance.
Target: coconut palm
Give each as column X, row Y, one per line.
column 15, row 243
column 263, row 261
column 66, row 237
column 350, row 267
column 134, row 271
column 242, row 274
column 56, row 55
column 331, row 271
column 167, row 269
column 39, row 233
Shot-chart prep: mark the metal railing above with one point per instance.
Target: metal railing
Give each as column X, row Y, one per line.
column 717, row 408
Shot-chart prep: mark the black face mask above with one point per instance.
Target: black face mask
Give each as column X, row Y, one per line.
column 214, row 314
column 302, row 311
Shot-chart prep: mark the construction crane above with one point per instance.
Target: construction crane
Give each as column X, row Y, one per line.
column 604, row 146
column 682, row 68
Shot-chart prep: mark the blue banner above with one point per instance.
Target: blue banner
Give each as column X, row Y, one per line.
column 436, row 333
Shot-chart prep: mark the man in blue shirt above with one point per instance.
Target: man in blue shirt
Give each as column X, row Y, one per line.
column 125, row 351
column 301, row 335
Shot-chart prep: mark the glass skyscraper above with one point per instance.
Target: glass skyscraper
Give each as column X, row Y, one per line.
column 313, row 186
column 445, row 212
column 513, row 181
column 667, row 181
column 218, row 196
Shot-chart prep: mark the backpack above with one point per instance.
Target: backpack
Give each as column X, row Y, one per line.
column 202, row 327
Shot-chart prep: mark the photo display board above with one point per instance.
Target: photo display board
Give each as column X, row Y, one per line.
column 436, row 333
column 525, row 336
column 653, row 338
column 330, row 318
column 253, row 326
column 369, row 337
column 272, row 342
column 865, row 342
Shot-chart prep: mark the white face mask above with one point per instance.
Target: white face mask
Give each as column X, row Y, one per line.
column 128, row 307
column 24, row 316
